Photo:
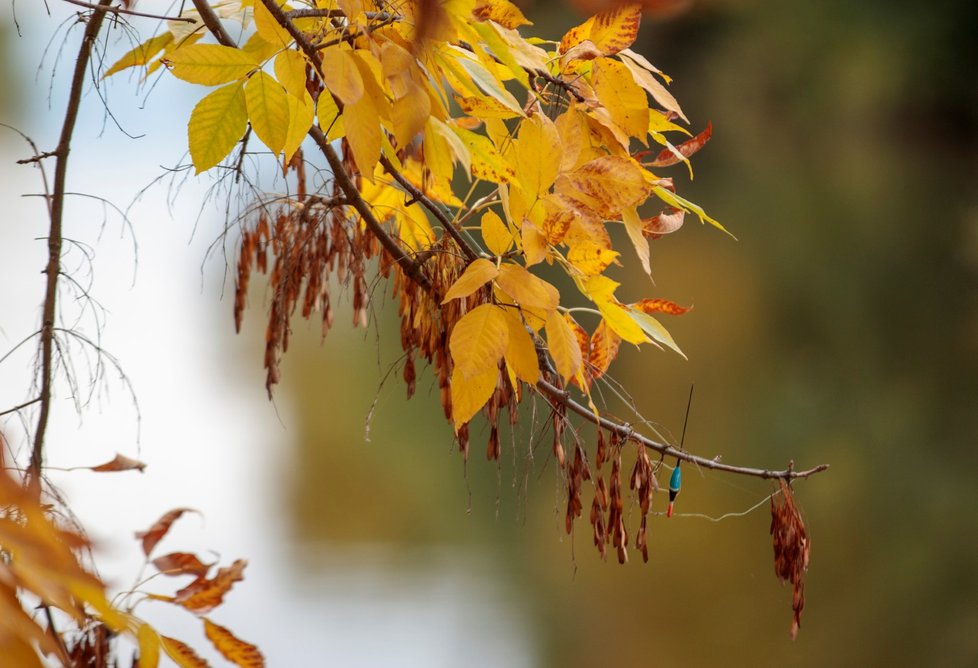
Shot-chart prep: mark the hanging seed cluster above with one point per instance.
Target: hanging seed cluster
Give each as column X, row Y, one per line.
column 792, row 549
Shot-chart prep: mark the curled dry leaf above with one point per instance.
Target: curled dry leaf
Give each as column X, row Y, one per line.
column 120, row 463
column 181, row 563
column 233, row 649
column 155, row 533
column 203, row 594
column 792, row 549
column 669, row 157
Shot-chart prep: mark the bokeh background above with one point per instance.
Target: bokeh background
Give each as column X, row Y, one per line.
column 841, row 328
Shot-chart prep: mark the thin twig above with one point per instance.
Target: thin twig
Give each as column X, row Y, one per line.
column 18, row 407
column 53, row 268
column 132, row 12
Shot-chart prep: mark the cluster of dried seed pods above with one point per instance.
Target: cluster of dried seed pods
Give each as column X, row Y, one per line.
column 792, row 548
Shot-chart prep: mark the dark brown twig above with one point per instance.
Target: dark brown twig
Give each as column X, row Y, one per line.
column 213, row 23
column 132, row 12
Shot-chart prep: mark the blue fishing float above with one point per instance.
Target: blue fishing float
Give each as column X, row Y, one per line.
column 675, row 482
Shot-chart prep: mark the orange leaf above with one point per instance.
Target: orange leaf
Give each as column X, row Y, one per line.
column 203, row 595
column 668, row 157
column 234, row 649
column 660, row 306
column 120, row 463
column 182, row 654
column 181, row 563
column 155, row 533
column 603, row 349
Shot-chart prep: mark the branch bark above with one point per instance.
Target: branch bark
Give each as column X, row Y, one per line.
column 55, row 238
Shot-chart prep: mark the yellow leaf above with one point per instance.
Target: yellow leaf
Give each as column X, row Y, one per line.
column 607, row 185
column 410, row 113
column 621, row 96
column 521, row 354
column 484, row 107
column 182, row 654
column 141, row 54
column 495, row 233
column 363, row 132
column 290, row 70
column 572, row 129
column 600, row 290
column 444, row 149
column 487, row 163
column 479, row 340
column 538, row 154
column 527, row 290
column 658, row 91
column 610, row 31
column 268, row 110
column 534, row 243
column 654, row 329
column 301, row 113
column 557, row 219
column 563, row 347
column 233, row 649
column 633, row 226
column 672, row 199
column 259, row 48
column 502, row 12
column 602, row 349
column 269, row 28
column 149, row 646
column 329, row 117
column 341, row 74
column 216, row 124
column 590, row 258
column 210, row 64
column 471, row 394
column 575, row 36
column 477, row 274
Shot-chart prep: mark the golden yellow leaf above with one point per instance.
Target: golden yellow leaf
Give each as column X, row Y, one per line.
column 601, row 289
column 658, row 91
column 521, row 354
column 216, row 124
column 655, row 330
column 479, row 340
column 572, row 129
column 269, row 28
column 615, row 29
column 557, row 219
column 527, row 290
column 487, row 163
column 141, row 54
column 575, row 36
column 483, row 78
column 590, row 258
column 329, row 117
column 471, row 394
column 363, row 131
column 290, row 70
column 478, row 273
column 149, row 646
column 341, row 74
column 235, row 650
column 538, row 154
column 534, row 243
column 443, row 149
column 495, row 234
column 259, row 48
column 563, row 346
column 672, row 199
column 607, row 185
column 633, row 226
column 410, row 113
column 603, row 349
column 301, row 114
column 182, row 654
column 502, row 12
column 622, row 97
column 268, row 110
column 484, row 107
column 210, row 64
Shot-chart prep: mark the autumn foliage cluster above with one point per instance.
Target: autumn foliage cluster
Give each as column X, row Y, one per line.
column 492, row 179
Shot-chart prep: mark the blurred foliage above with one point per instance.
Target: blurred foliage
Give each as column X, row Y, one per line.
column 842, row 327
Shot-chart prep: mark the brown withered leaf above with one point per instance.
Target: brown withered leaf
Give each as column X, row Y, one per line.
column 233, row 649
column 155, row 533
column 120, row 463
column 203, row 594
column 602, row 350
column 181, row 563
column 664, row 223
column 182, row 654
column 668, row 157
column 792, row 549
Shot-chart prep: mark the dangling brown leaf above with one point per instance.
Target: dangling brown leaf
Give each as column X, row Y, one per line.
column 120, row 463
column 233, row 649
column 203, row 595
column 669, row 156
column 792, row 549
column 181, row 563
column 155, row 533
column 182, row 654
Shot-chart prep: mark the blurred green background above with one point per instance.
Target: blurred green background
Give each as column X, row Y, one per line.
column 841, row 328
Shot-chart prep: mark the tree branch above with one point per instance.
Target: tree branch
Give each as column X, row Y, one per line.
column 213, row 23
column 53, row 268
column 132, row 12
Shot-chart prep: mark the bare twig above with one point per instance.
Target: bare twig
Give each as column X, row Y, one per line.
column 20, row 406
column 132, row 12
column 53, row 268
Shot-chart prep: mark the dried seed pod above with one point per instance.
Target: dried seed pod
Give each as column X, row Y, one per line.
column 792, row 549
